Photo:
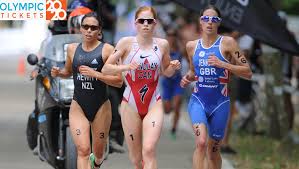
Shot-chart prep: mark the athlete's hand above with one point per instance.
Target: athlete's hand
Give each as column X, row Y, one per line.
column 33, row 74
column 133, row 65
column 55, row 71
column 87, row 71
column 214, row 61
column 175, row 64
column 185, row 81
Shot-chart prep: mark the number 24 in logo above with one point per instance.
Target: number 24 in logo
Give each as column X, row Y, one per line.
column 56, row 10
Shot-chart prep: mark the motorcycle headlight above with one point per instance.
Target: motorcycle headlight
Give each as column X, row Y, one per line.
column 66, row 90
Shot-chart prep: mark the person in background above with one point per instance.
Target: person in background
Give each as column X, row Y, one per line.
column 171, row 90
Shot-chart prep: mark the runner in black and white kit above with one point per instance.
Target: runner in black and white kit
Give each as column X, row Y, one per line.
column 90, row 106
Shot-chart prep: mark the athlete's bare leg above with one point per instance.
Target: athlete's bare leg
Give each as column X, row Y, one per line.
column 152, row 126
column 199, row 154
column 167, row 106
column 80, row 128
column 100, row 131
column 214, row 157
column 132, row 126
column 177, row 106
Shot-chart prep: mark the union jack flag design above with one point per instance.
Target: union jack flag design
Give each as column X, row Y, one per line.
column 224, row 81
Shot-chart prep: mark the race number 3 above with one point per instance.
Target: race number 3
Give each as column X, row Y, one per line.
column 143, row 92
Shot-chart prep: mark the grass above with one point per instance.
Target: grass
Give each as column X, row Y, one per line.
column 262, row 152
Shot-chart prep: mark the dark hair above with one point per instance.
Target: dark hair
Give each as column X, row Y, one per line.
column 93, row 14
column 211, row 7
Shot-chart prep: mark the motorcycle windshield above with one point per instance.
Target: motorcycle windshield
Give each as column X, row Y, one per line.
column 54, row 48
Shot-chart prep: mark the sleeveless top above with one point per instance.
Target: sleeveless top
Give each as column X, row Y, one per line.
column 141, row 90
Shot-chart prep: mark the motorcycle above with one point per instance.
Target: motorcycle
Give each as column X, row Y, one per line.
column 48, row 131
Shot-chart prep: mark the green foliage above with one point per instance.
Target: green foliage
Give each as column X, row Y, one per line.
column 291, row 6
column 262, row 152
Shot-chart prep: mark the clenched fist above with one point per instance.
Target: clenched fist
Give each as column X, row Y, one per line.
column 55, row 71
column 175, row 64
column 133, row 65
column 214, row 61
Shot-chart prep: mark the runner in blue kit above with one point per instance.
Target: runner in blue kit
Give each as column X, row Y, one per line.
column 212, row 59
column 171, row 90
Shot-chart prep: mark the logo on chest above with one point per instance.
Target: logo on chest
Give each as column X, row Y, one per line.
column 144, row 56
column 94, row 62
column 146, row 70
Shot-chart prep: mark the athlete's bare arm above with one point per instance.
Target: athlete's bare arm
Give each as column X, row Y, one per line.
column 168, row 66
column 67, row 70
column 121, row 50
column 190, row 76
column 231, row 48
column 113, row 80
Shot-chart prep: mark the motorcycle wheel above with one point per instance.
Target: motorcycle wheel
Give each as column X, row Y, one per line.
column 31, row 131
column 70, row 151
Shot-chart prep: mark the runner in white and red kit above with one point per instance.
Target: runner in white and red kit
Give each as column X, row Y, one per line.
column 142, row 59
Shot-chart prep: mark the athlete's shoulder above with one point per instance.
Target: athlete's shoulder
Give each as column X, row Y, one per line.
column 161, row 42
column 228, row 40
column 191, row 44
column 72, row 47
column 107, row 46
column 107, row 49
column 127, row 39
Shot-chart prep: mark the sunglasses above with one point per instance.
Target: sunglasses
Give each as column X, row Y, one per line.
column 92, row 27
column 149, row 21
column 213, row 19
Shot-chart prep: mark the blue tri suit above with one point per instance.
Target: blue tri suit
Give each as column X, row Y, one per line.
column 171, row 85
column 209, row 102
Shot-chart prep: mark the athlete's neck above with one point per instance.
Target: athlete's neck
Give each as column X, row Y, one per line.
column 209, row 40
column 144, row 42
column 89, row 46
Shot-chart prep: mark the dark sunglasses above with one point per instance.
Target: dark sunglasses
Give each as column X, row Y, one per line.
column 92, row 27
column 213, row 19
column 142, row 21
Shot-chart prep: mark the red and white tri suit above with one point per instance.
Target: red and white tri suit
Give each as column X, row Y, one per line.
column 141, row 91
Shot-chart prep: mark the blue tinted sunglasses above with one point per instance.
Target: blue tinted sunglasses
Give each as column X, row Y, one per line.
column 213, row 19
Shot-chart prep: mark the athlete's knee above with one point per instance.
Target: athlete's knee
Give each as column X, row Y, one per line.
column 167, row 108
column 83, row 150
column 201, row 144
column 148, row 151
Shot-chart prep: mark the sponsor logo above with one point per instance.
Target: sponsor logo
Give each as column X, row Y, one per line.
column 200, row 79
column 142, row 57
column 202, row 53
column 94, row 62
